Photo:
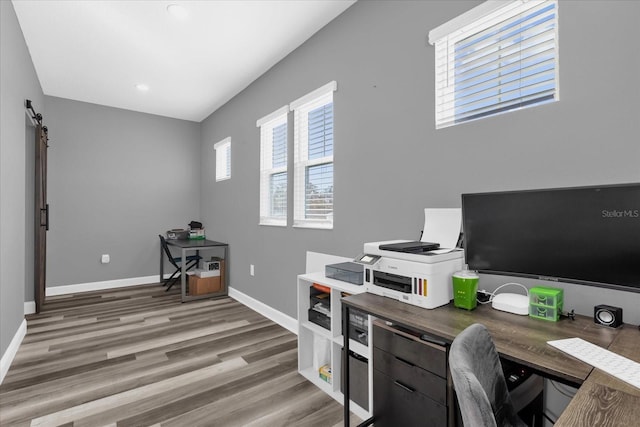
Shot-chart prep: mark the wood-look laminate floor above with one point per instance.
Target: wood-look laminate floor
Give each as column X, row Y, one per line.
column 139, row 357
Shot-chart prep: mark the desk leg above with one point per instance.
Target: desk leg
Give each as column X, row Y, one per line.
column 161, row 277
column 226, row 270
column 345, row 363
column 183, row 275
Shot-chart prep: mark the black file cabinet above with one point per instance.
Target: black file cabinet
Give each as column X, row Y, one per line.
column 410, row 384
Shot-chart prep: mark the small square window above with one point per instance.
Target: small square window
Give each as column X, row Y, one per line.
column 223, row 159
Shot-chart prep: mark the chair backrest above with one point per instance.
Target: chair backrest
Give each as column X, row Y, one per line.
column 478, row 380
column 165, row 247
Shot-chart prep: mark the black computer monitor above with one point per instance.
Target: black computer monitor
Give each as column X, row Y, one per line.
column 587, row 235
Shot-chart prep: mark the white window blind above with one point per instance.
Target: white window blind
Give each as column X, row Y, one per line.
column 498, row 57
column 313, row 158
column 223, row 159
column 273, row 168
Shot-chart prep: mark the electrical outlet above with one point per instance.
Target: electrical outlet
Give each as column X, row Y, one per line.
column 252, row 270
column 105, row 259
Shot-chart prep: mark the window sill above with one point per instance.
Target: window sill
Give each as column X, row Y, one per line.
column 313, row 225
column 273, row 223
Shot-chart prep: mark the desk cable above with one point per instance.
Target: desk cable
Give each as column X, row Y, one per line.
column 487, row 296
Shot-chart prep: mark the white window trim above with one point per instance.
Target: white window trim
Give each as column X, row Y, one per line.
column 327, row 89
column 477, row 14
column 273, row 116
column 266, row 125
column 221, row 165
column 445, row 37
column 304, row 104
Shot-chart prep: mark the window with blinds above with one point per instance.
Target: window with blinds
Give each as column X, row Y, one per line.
column 500, row 56
column 273, row 168
column 313, row 158
column 223, row 159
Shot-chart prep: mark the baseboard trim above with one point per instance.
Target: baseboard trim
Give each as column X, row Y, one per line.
column 10, row 353
column 271, row 313
column 29, row 307
column 99, row 286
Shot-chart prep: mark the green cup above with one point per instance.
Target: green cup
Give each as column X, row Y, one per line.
column 465, row 288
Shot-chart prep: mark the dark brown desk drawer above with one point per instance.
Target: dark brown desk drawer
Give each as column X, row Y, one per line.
column 411, row 375
column 395, row 405
column 429, row 356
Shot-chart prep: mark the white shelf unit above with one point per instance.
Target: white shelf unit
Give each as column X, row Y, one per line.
column 318, row 346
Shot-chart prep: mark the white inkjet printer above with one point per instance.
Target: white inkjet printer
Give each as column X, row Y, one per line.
column 411, row 272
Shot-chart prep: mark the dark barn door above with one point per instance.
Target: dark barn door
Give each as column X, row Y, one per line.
column 41, row 216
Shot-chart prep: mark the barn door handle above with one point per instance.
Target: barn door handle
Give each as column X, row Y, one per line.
column 46, row 217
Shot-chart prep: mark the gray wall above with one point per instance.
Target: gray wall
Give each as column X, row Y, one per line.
column 117, row 179
column 391, row 163
column 18, row 81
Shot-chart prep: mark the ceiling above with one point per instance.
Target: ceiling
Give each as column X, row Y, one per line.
column 98, row 51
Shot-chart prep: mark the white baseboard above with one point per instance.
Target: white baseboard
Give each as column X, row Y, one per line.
column 29, row 307
column 280, row 318
column 98, row 286
column 11, row 351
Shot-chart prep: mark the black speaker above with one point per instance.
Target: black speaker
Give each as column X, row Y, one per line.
column 607, row 315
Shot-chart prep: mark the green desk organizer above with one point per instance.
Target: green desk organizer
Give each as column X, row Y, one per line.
column 545, row 303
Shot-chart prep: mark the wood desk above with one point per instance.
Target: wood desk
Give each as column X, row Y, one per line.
column 196, row 245
column 604, row 400
column 518, row 338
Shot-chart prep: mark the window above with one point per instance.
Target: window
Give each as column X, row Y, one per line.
column 223, row 159
column 313, row 158
column 498, row 57
column 273, row 168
